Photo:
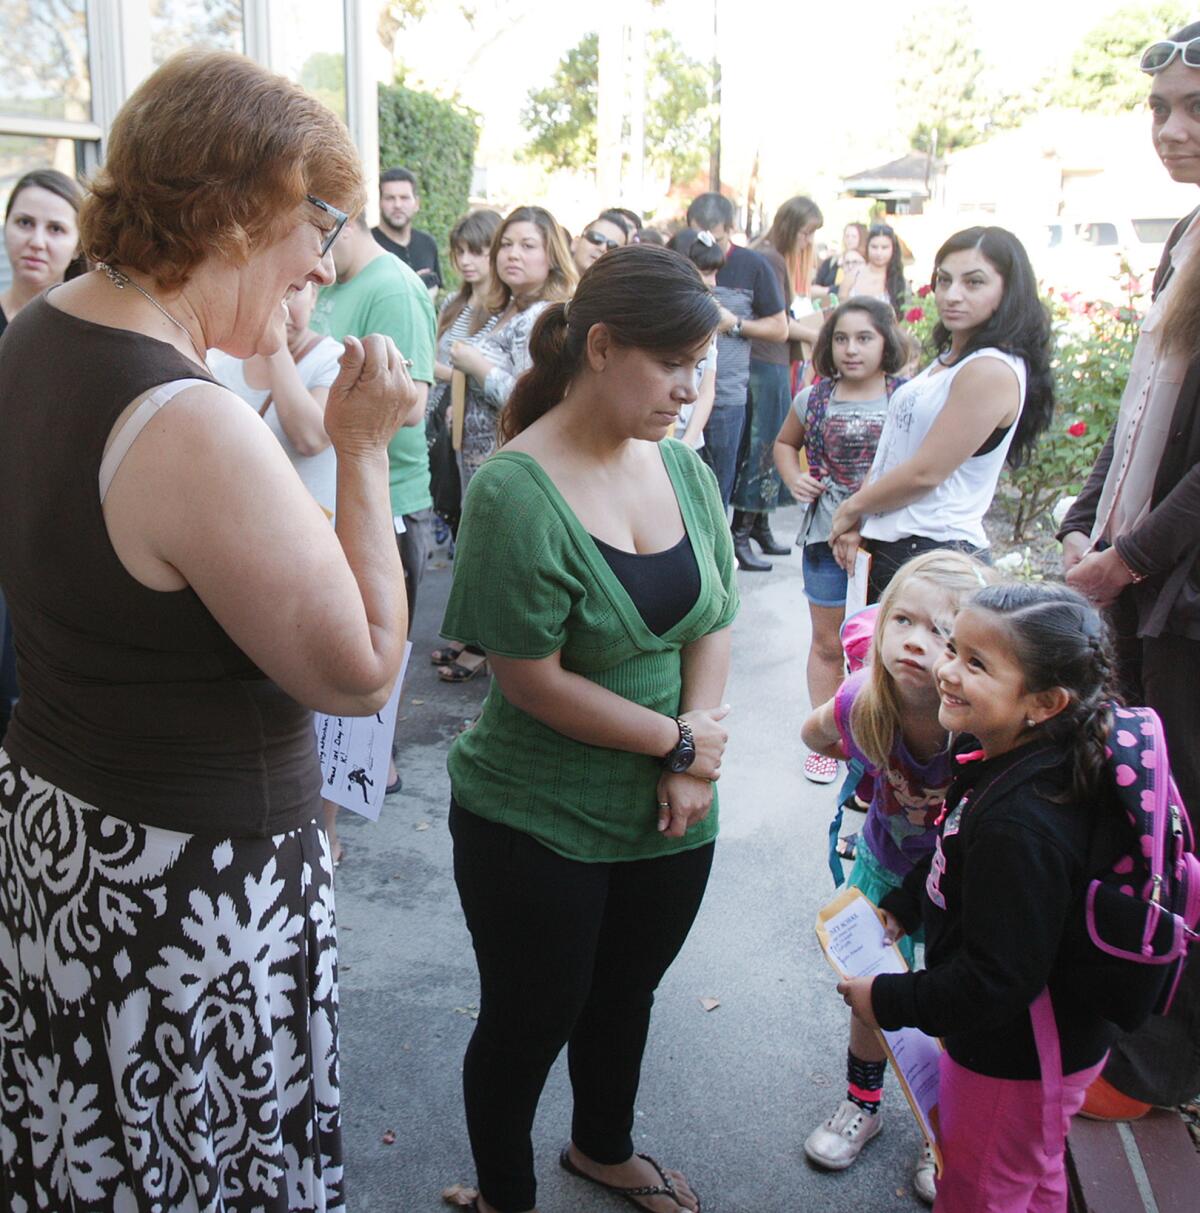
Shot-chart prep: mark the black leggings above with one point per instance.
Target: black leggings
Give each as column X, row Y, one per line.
column 569, row 953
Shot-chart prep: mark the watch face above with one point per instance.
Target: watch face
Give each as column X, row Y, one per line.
column 683, row 758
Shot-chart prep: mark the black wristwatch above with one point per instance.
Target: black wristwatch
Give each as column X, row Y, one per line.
column 683, row 753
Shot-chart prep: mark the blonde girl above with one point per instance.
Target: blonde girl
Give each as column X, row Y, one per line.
column 886, row 716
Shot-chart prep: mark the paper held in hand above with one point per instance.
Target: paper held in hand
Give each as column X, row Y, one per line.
column 851, row 935
column 857, row 585
column 355, row 751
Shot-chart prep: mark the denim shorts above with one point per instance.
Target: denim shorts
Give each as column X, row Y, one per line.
column 824, row 578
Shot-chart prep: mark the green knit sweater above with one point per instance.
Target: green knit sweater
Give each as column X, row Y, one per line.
column 529, row 581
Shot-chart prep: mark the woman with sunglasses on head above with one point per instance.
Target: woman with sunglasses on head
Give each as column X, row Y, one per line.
column 41, row 240
column 531, row 267
column 1131, row 543
column 181, row 606
column 982, row 401
column 595, row 568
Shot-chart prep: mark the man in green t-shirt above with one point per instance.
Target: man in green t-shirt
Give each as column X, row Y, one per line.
column 376, row 293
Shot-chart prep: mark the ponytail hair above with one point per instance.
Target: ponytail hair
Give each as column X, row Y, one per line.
column 1059, row 640
column 649, row 298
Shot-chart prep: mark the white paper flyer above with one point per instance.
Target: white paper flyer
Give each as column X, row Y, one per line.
column 355, row 752
column 852, row 936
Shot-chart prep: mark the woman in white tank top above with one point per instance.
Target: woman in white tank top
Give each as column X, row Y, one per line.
column 983, row 400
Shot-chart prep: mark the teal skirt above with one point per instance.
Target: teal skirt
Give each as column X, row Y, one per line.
column 875, row 882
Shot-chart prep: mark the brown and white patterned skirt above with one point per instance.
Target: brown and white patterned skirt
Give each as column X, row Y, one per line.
column 168, row 1014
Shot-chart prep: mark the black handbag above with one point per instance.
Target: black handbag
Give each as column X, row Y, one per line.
column 445, row 483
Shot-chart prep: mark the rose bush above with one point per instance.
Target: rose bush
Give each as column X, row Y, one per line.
column 1093, row 348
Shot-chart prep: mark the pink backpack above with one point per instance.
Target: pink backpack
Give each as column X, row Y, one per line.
column 1142, row 911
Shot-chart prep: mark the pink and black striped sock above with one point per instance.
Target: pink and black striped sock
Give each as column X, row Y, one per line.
column 864, row 1082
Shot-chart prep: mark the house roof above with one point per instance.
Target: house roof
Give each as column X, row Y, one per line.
column 912, row 167
column 904, row 178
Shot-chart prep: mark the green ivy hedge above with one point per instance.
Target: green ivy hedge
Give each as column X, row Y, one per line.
column 436, row 140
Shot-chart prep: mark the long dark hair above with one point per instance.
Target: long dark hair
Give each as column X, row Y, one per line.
column 883, row 320
column 649, row 298
column 475, row 231
column 895, row 265
column 1020, row 326
column 1059, row 640
column 68, row 190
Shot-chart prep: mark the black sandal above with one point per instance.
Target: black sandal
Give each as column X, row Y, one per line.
column 447, row 656
column 666, row 1188
column 457, row 672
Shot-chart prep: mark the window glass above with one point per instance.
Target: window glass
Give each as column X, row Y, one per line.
column 205, row 24
column 1100, row 234
column 1153, row 231
column 44, row 59
column 308, row 45
column 19, row 155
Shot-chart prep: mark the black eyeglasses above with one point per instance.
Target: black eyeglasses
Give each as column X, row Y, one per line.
column 1160, row 55
column 339, row 221
column 601, row 241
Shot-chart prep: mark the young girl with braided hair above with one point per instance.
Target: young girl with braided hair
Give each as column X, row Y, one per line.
column 886, row 717
column 1025, row 682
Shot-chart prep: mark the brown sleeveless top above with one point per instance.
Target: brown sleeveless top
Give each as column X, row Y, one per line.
column 132, row 699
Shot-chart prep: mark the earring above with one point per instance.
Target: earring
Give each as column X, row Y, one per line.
column 1029, row 724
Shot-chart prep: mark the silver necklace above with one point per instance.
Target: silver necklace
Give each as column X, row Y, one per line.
column 121, row 280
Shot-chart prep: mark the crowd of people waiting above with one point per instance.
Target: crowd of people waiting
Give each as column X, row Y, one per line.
column 185, row 584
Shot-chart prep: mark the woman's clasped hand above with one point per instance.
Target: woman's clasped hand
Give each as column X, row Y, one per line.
column 371, row 396
column 685, row 798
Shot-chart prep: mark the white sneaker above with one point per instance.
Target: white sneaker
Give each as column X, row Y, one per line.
column 839, row 1141
column 819, row 769
column 925, row 1176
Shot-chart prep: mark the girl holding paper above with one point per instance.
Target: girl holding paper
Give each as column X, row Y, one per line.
column 1002, row 898
column 886, row 716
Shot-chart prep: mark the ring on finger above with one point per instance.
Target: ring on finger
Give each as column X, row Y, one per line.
column 664, row 804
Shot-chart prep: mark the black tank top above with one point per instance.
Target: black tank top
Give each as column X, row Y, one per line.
column 132, row 699
column 663, row 585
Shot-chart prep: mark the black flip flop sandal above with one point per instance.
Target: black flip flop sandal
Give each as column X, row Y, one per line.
column 457, row 672
column 666, row 1188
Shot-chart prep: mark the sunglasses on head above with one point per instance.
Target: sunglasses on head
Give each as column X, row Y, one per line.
column 1161, row 54
column 601, row 241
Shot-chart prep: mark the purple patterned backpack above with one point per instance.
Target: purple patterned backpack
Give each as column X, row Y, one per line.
column 1142, row 910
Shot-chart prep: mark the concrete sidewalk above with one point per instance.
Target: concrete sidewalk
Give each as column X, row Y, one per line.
column 727, row 1095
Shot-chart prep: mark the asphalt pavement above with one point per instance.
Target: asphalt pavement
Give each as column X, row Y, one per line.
column 728, row 1094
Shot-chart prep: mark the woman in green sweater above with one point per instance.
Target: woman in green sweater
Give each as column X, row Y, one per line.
column 595, row 568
